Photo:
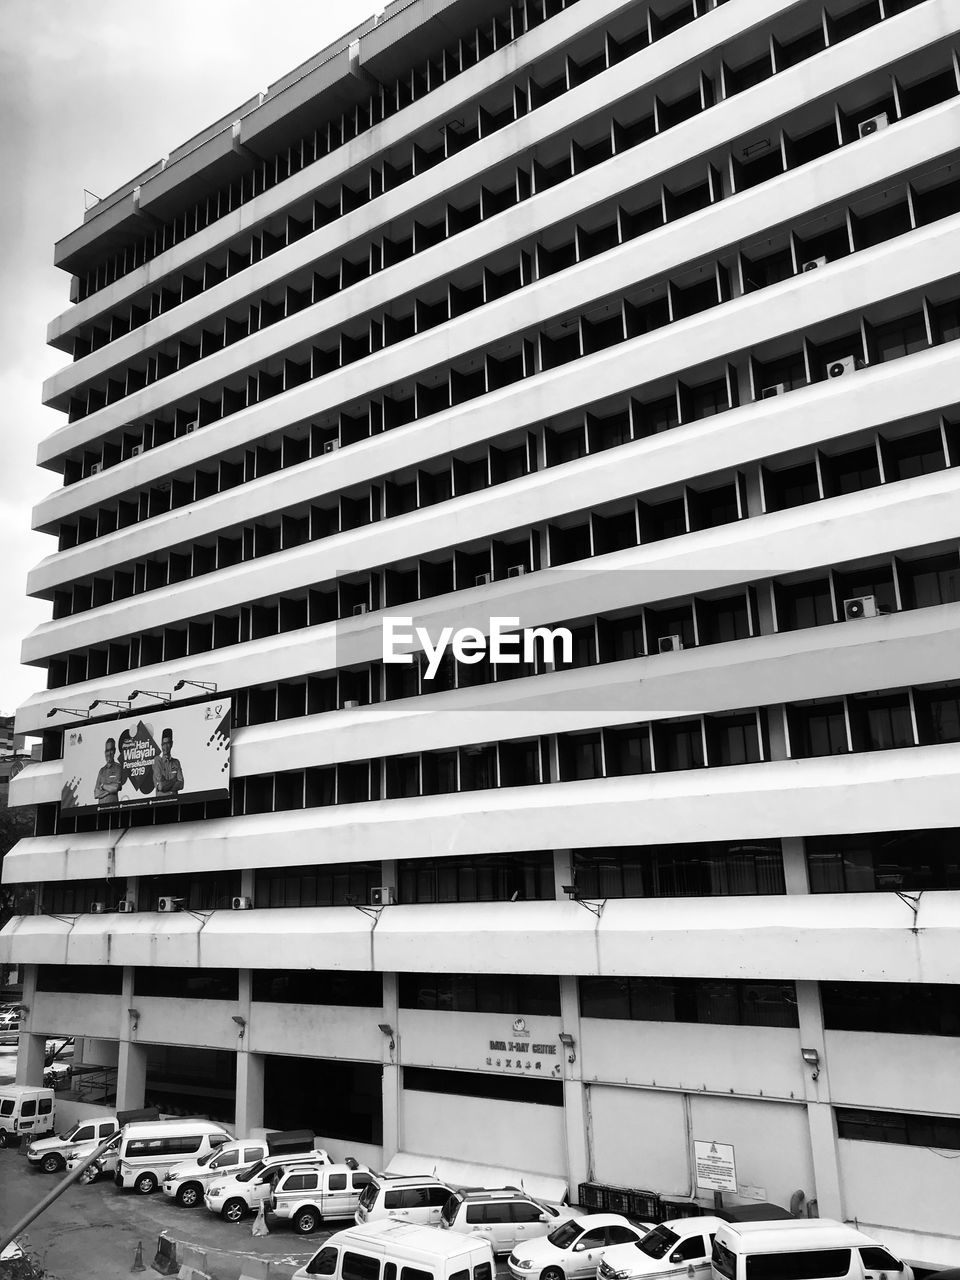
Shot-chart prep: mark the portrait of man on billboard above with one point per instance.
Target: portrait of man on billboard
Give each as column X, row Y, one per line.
column 109, row 779
column 167, row 773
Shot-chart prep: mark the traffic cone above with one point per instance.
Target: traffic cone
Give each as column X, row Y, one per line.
column 138, row 1260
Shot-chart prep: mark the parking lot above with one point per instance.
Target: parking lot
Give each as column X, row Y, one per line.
column 91, row 1233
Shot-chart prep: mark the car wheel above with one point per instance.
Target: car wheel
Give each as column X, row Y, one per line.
column 189, row 1195
column 552, row 1273
column 4, row 1138
column 146, row 1184
column 51, row 1162
column 234, row 1210
column 90, row 1174
column 307, row 1220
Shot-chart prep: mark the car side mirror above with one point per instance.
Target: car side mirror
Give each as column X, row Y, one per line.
column 544, row 1217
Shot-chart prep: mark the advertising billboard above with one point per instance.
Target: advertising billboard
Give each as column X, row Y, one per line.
column 167, row 755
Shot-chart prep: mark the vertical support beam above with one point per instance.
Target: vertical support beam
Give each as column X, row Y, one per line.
column 562, row 870
column 795, row 865
column 574, row 1098
column 30, row 1058
column 249, row 1113
column 392, row 1120
column 820, row 1121
column 131, row 1076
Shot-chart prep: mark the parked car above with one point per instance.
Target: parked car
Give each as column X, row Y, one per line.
column 412, row 1197
column 187, row 1182
column 306, row 1197
column 574, row 1250
column 50, row 1154
column 234, row 1196
column 681, row 1247
column 9, row 1026
column 506, row 1216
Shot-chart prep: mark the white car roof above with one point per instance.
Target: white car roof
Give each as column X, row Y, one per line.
column 590, row 1220
column 810, row 1233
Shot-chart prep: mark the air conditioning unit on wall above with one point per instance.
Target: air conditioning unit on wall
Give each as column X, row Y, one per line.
column 381, row 896
column 778, row 389
column 170, row 904
column 839, row 368
column 873, row 124
column 814, row 264
column 242, row 904
column 862, row 607
column 670, row 644
column 126, row 905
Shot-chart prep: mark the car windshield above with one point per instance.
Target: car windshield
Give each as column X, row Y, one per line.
column 658, row 1242
column 565, row 1235
column 251, row 1172
column 448, row 1214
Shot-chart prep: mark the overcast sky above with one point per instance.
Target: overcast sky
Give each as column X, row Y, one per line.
column 91, row 93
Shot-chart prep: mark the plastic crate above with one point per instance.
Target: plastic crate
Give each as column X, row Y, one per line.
column 643, row 1205
column 590, row 1195
column 616, row 1200
column 670, row 1209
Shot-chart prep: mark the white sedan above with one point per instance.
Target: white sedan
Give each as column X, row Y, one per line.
column 574, row 1250
column 678, row 1248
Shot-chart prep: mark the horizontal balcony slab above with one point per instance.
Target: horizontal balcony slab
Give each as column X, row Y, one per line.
column 863, row 937
column 893, row 650
column 446, row 102
column 796, row 193
column 739, row 549
column 911, row 788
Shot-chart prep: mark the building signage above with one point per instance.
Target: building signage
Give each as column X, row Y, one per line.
column 715, row 1166
column 518, row 1052
column 163, row 756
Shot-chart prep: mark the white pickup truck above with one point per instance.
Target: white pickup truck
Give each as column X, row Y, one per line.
column 50, row 1154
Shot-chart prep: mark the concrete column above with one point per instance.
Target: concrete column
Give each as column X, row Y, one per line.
column 392, row 1119
column 30, row 1058
column 795, row 865
column 131, row 1076
column 562, row 870
column 820, row 1121
column 574, row 1096
column 247, row 882
column 249, row 1113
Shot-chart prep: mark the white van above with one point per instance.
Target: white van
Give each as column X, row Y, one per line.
column 390, row 1250
column 805, row 1249
column 26, row 1110
column 148, row 1150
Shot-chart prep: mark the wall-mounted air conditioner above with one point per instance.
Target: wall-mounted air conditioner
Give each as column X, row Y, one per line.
column 669, row 644
column 191, row 427
column 242, row 904
column 170, row 904
column 516, row 570
column 350, row 704
column 873, row 124
column 96, row 468
column 861, row 607
column 126, row 905
column 837, row 368
column 359, row 610
column 331, row 446
column 481, row 580
column 778, row 389
column 381, row 896
column 98, row 908
column 814, row 264
column 136, row 451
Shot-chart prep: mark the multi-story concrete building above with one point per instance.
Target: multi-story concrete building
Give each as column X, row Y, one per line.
column 635, row 316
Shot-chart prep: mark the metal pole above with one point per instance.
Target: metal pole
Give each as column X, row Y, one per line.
column 57, row 1191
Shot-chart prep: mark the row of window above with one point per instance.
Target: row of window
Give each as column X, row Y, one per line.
column 387, row 99
column 635, row 213
column 815, row 475
column 922, row 715
column 650, row 112
column 869, row 862
column 869, row 1007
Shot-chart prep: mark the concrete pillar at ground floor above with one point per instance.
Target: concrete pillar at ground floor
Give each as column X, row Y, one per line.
column 30, row 1059
column 249, row 1113
column 391, row 1112
column 131, row 1076
column 575, row 1135
column 826, row 1160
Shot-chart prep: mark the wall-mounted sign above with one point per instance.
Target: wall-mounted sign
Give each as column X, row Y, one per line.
column 715, row 1166
column 519, row 1052
column 163, row 756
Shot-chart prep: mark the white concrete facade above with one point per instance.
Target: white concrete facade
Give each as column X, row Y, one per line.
column 670, row 325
